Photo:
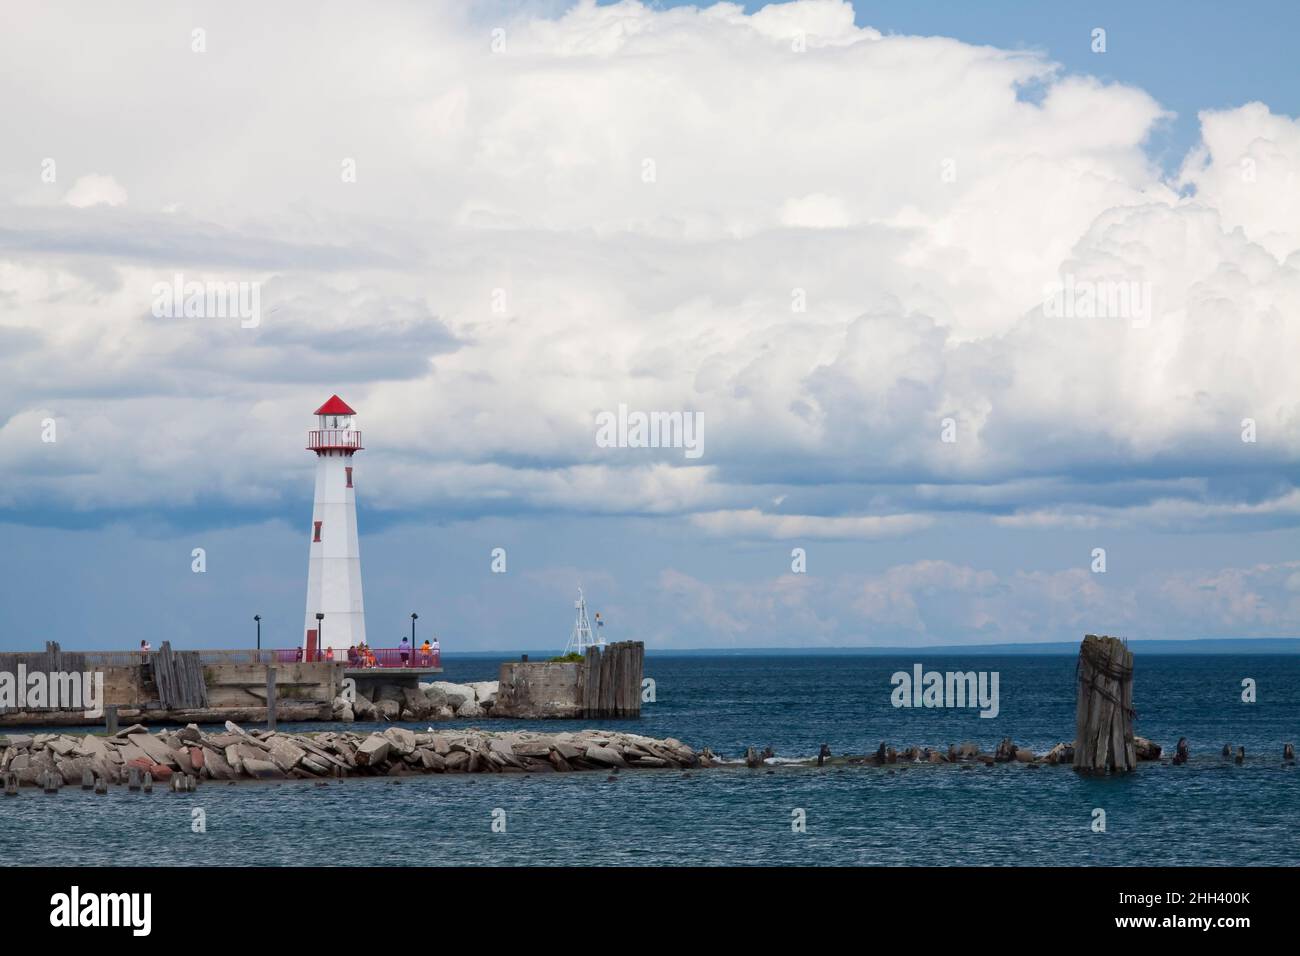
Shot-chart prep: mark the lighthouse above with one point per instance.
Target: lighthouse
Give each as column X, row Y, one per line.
column 335, row 616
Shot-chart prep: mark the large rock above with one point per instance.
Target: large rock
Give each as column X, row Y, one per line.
column 457, row 760
column 155, row 748
column 453, row 694
column 190, row 733
column 432, row 761
column 93, row 746
column 285, row 754
column 435, row 695
column 402, row 740
column 72, row 768
column 416, row 703
column 606, row 755
column 469, row 708
column 262, row 769
column 1061, row 753
column 216, row 765
column 373, row 750
column 485, row 691
column 1145, row 749
column 62, row 746
column 1006, row 751
column 363, row 708
column 388, row 710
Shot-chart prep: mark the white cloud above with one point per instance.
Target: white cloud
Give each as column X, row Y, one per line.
column 946, row 602
column 751, row 522
column 95, row 190
column 838, row 249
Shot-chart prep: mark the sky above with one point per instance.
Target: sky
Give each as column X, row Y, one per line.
column 987, row 319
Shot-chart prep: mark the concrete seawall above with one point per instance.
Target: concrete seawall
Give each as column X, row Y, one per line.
column 203, row 687
column 177, row 687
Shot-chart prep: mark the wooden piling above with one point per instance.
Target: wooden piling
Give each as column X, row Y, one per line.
column 11, row 784
column 133, row 778
column 110, row 718
column 1103, row 722
column 179, row 678
column 87, row 779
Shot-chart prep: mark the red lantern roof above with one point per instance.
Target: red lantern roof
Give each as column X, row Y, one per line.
column 335, row 406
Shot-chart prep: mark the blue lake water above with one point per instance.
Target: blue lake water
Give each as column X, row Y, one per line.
column 1210, row 812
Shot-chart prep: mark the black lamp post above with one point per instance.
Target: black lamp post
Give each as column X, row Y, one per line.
column 414, row 616
column 258, row 619
column 320, row 631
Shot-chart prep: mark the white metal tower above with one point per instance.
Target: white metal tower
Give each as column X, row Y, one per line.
column 582, row 638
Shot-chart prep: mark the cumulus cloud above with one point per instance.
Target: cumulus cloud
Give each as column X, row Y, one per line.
column 938, row 602
column 733, row 214
column 95, row 190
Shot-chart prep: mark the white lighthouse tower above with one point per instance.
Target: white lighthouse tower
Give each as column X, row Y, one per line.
column 334, row 566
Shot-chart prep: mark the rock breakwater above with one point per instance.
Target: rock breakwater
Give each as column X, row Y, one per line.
column 136, row 757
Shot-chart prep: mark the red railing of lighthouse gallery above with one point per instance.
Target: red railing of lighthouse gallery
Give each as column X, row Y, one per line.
column 378, row 657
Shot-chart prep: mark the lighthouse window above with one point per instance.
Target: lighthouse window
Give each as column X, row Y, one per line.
column 349, row 471
column 317, row 534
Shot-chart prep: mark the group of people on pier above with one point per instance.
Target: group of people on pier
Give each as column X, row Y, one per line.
column 363, row 655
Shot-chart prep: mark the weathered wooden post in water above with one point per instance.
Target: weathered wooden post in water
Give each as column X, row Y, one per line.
column 1103, row 720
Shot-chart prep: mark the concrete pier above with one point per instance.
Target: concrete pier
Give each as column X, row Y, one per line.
column 204, row 686
column 603, row 684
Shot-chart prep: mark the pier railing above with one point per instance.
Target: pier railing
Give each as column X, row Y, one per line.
column 378, row 657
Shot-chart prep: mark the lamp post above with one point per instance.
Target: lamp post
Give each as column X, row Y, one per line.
column 320, row 631
column 414, row 616
column 258, row 619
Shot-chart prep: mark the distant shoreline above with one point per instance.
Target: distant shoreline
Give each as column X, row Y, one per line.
column 1205, row 646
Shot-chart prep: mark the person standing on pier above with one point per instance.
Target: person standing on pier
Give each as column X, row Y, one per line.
column 404, row 652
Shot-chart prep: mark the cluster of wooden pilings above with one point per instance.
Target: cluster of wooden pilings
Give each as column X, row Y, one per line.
column 610, row 682
column 138, row 780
